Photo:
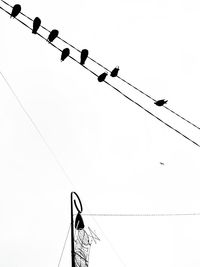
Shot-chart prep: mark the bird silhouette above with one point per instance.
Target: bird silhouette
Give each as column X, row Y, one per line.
column 114, row 72
column 160, row 102
column 36, row 25
column 15, row 11
column 52, row 36
column 84, row 55
column 65, row 53
column 102, row 76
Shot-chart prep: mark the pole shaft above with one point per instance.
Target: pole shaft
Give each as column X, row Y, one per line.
column 72, row 232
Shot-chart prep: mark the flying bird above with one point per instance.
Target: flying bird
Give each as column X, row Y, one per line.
column 36, row 25
column 52, row 36
column 114, row 72
column 15, row 11
column 160, row 102
column 65, row 54
column 84, row 55
column 102, row 76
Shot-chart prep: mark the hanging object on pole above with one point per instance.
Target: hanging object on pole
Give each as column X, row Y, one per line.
column 79, row 224
column 81, row 240
column 114, row 72
column 36, row 25
column 65, row 54
column 53, row 35
column 84, row 56
column 102, row 77
column 15, row 11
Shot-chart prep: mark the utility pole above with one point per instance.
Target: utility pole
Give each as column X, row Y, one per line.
column 79, row 224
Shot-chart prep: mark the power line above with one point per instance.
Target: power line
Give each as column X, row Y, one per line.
column 99, row 64
column 37, row 130
column 149, row 112
column 146, row 110
column 64, row 246
column 140, row 214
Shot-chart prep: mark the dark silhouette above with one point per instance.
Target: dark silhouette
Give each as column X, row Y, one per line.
column 65, row 53
column 160, row 102
column 162, row 163
column 15, row 11
column 84, row 55
column 114, row 72
column 79, row 224
column 123, row 80
column 52, row 36
column 36, row 25
column 102, row 76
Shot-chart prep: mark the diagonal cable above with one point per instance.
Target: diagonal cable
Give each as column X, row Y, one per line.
column 99, row 64
column 64, row 246
column 146, row 110
column 37, row 129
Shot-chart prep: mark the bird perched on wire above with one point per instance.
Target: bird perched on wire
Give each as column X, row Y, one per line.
column 36, row 25
column 102, row 76
column 52, row 36
column 84, row 55
column 114, row 72
column 65, row 54
column 160, row 102
column 15, row 11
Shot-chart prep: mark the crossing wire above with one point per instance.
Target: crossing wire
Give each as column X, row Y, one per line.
column 120, row 92
column 140, row 214
column 37, row 129
column 64, row 246
column 99, row 64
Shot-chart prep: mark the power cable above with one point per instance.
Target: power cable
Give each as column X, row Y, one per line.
column 146, row 110
column 37, row 130
column 140, row 214
column 64, row 246
column 99, row 64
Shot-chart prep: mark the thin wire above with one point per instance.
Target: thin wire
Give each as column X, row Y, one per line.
column 110, row 243
column 182, row 117
column 99, row 64
column 37, row 129
column 140, row 214
column 168, row 125
column 64, row 246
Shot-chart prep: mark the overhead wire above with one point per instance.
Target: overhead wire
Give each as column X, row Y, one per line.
column 140, row 214
column 61, row 255
column 37, row 129
column 127, row 97
column 123, row 80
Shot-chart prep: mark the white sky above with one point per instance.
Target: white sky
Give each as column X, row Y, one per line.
column 110, row 148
